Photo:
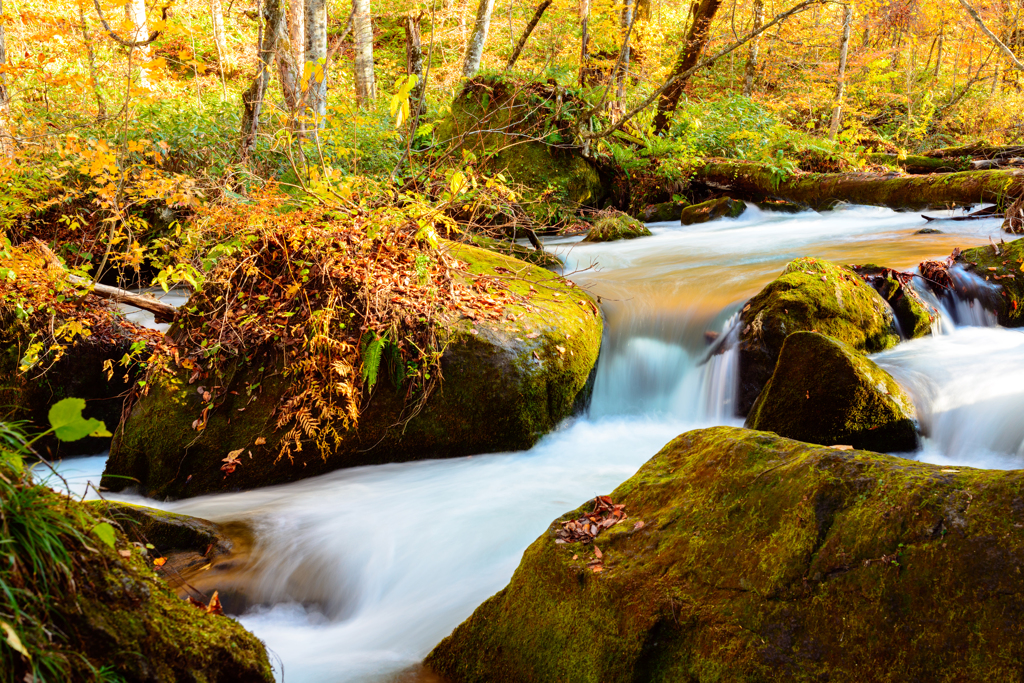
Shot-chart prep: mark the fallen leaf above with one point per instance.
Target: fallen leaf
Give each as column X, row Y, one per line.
column 13, row 640
column 639, row 525
column 160, row 561
column 598, row 553
column 125, row 553
column 533, row 335
column 842, row 447
column 260, row 441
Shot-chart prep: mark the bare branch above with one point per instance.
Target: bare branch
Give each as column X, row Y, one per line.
column 122, row 41
column 1017, row 64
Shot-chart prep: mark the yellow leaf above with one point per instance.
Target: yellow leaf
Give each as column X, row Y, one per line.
column 13, row 640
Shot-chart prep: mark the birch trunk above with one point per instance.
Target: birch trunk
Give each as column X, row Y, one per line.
column 362, row 30
column 90, row 54
column 414, row 62
column 6, row 141
column 475, row 48
column 837, row 111
column 620, row 92
column 288, row 72
column 135, row 10
column 315, row 91
column 296, row 29
column 252, row 99
column 584, row 37
column 755, row 43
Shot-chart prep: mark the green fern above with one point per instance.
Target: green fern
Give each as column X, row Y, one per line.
column 372, row 350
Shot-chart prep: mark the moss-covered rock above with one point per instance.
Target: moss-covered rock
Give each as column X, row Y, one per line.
column 526, row 131
column 914, row 316
column 111, row 612
column 1004, row 269
column 811, row 295
column 724, row 207
column 616, row 226
column 505, row 383
column 543, row 259
column 663, row 212
column 822, row 391
column 781, row 206
column 765, row 559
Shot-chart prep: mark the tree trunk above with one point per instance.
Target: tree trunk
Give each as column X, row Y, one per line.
column 296, row 30
column 696, row 40
column 252, row 98
column 217, row 18
column 748, row 81
column 527, row 31
column 837, row 110
column 938, row 58
column 90, row 56
column 414, row 62
column 623, row 70
column 475, row 48
column 362, row 29
column 288, row 71
column 6, row 140
column 584, row 37
column 315, row 91
column 135, row 11
column 823, row 190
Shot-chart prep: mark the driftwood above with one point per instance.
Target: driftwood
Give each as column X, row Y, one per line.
column 753, row 181
column 163, row 313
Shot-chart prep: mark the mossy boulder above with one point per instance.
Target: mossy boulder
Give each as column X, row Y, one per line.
column 914, row 316
column 781, row 206
column 663, row 213
column 616, row 226
column 750, row 557
column 724, row 207
column 505, row 383
column 112, row 612
column 525, row 130
column 824, row 392
column 811, row 295
column 1003, row 269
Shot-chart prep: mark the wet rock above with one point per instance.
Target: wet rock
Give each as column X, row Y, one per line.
column 824, row 392
column 711, row 210
column 766, row 559
column 781, row 206
column 616, row 226
column 505, row 384
column 811, row 295
column 928, row 231
column 1000, row 265
column 914, row 315
column 663, row 212
column 543, row 259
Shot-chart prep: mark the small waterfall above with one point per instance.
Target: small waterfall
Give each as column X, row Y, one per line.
column 969, row 303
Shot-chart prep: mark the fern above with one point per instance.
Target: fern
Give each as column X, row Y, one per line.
column 372, row 351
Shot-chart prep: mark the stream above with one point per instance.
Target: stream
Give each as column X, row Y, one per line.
column 356, row 575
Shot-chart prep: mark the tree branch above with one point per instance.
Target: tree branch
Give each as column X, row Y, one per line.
column 696, row 67
column 121, row 41
column 1017, row 64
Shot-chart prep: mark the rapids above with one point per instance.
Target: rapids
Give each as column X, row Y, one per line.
column 357, row 574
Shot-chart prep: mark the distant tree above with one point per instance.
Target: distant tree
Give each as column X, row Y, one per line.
column 315, row 72
column 6, row 141
column 475, row 47
column 362, row 28
column 252, row 99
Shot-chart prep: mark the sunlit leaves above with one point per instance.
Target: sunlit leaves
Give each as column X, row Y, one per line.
column 68, row 424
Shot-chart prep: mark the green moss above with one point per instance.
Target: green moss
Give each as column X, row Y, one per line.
column 1004, row 269
column 824, row 392
column 663, row 212
column 505, row 383
column 766, row 559
column 811, row 295
column 915, row 317
column 617, row 226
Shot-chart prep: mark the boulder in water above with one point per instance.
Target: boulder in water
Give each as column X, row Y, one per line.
column 506, row 382
column 616, row 226
column 750, row 557
column 1000, row 265
column 811, row 295
column 663, row 212
column 822, row 391
column 914, row 315
column 710, row 210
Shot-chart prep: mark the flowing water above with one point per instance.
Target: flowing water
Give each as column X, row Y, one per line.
column 356, row 575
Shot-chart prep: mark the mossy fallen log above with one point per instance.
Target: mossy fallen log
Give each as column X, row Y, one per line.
column 919, row 165
column 977, row 150
column 755, row 181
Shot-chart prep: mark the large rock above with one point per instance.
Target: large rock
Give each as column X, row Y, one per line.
column 1001, row 267
column 765, row 559
column 105, row 608
column 663, row 212
column 811, row 295
column 822, row 391
column 504, row 385
column 915, row 317
column 616, row 226
column 711, row 210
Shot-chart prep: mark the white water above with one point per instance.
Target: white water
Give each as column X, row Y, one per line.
column 359, row 573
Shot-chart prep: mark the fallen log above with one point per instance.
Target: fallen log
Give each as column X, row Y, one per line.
column 977, row 151
column 755, row 182
column 163, row 313
column 920, row 164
